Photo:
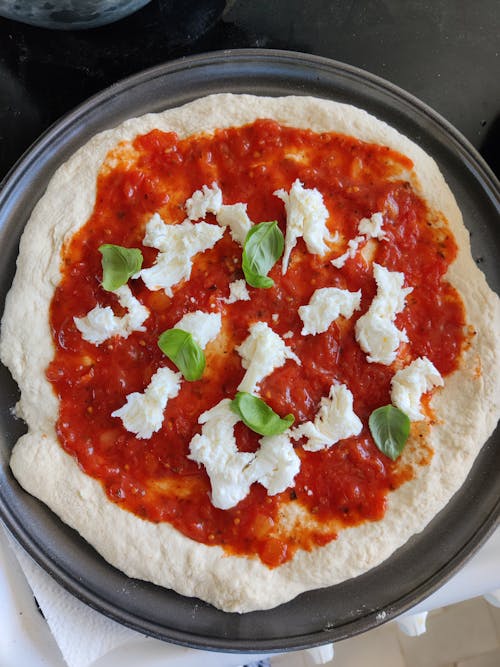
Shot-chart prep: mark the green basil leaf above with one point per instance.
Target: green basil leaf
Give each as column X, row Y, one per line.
column 118, row 265
column 390, row 428
column 258, row 416
column 180, row 347
column 263, row 247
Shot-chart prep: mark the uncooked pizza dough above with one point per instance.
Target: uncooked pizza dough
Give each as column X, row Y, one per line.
column 467, row 408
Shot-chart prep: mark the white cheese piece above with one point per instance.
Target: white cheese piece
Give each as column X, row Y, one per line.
column 215, row 448
column 306, row 215
column 235, row 217
column 334, row 421
column 98, row 325
column 339, row 262
column 368, row 228
column 237, row 292
column 137, row 313
column 231, row 472
column 410, row 383
column 177, row 244
column 142, row 414
column 203, row 327
column 325, row 306
column 375, row 331
column 158, row 235
column 206, row 200
column 372, row 228
column 261, row 352
column 276, row 464
column 101, row 323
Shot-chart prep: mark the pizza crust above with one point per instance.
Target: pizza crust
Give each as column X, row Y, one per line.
column 468, row 407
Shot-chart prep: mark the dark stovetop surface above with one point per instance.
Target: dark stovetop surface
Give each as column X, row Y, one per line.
column 444, row 52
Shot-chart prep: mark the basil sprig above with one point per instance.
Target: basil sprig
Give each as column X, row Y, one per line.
column 390, row 428
column 263, row 247
column 258, row 416
column 181, row 348
column 118, row 265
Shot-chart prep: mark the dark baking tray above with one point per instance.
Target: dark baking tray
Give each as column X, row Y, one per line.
column 320, row 616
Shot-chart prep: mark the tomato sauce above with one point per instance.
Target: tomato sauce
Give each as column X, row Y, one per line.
column 153, row 478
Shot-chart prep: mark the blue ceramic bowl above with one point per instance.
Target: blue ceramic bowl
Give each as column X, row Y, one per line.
column 69, row 14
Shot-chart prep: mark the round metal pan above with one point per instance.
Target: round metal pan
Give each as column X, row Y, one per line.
column 320, row 616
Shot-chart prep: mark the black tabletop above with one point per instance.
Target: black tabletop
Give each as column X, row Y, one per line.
column 446, row 52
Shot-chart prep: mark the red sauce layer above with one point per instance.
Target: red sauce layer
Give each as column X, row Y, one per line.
column 342, row 486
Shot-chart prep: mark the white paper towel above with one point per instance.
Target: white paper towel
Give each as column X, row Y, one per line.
column 85, row 636
column 82, row 634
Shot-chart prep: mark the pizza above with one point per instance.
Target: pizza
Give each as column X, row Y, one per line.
column 255, row 354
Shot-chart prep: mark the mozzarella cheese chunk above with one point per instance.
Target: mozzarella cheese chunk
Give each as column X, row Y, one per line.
column 352, row 249
column 306, row 215
column 372, row 228
column 375, row 331
column 235, row 217
column 142, row 414
column 101, row 323
column 232, row 472
column 203, row 327
column 276, row 464
column 261, row 352
column 325, row 306
column 177, row 244
column 368, row 228
column 238, row 292
column 215, row 448
column 206, row 200
column 334, row 421
column 410, row 383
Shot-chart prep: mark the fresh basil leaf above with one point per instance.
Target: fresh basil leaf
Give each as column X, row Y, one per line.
column 118, row 265
column 258, row 416
column 180, row 347
column 263, row 247
column 390, row 428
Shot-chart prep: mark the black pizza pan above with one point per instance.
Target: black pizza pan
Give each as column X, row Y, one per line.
column 316, row 617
